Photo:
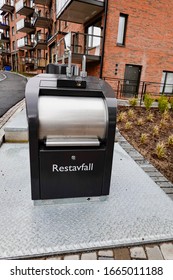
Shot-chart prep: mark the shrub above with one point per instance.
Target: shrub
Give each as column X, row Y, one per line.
column 150, row 117
column 165, row 115
column 171, row 103
column 148, row 101
column 128, row 125
column 155, row 130
column 133, row 101
column 131, row 113
column 170, row 140
column 162, row 122
column 144, row 138
column 140, row 121
column 160, row 150
column 163, row 104
column 121, row 117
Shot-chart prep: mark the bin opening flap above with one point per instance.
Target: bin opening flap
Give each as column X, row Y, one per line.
column 69, row 141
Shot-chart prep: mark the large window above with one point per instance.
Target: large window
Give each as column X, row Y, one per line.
column 122, row 29
column 167, row 82
column 95, row 38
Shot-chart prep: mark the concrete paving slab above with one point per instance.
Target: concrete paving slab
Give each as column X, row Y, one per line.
column 16, row 130
column 136, row 212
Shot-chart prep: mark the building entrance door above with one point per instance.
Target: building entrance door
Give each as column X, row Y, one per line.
column 131, row 80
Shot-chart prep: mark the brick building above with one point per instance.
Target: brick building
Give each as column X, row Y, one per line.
column 124, row 42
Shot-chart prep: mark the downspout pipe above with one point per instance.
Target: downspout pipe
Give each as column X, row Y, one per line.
column 104, row 35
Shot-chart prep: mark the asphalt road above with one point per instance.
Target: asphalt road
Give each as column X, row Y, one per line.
column 12, row 90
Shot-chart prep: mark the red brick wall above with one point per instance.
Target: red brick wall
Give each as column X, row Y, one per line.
column 149, row 38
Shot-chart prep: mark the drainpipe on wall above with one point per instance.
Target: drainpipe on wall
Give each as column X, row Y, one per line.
column 104, row 35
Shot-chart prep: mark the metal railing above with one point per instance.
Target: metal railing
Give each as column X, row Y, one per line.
column 80, row 43
column 40, row 62
column 130, row 88
column 8, row 2
column 4, row 51
column 40, row 38
column 4, row 37
column 24, row 23
column 21, row 4
column 25, row 41
column 27, row 60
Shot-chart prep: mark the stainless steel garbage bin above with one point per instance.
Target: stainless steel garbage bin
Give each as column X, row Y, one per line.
column 71, row 136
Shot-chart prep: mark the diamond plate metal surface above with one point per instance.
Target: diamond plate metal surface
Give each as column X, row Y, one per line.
column 136, row 211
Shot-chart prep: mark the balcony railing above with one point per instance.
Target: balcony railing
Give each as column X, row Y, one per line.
column 42, row 19
column 7, row 6
column 40, row 41
column 23, row 8
column 25, row 43
column 79, row 11
column 43, row 2
column 40, row 63
column 25, row 60
column 4, row 26
column 80, row 44
column 4, row 38
column 25, row 26
column 5, row 51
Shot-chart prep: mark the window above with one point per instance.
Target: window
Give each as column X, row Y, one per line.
column 95, row 39
column 13, row 44
column 122, row 29
column 13, row 31
column 167, row 82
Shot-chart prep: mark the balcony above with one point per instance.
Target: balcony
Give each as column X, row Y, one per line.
column 25, row 26
column 4, row 38
column 79, row 11
column 5, row 51
column 42, row 19
column 4, row 26
column 25, row 44
column 23, row 8
column 40, row 41
column 40, row 63
column 7, row 6
column 80, row 44
column 29, row 61
column 43, row 2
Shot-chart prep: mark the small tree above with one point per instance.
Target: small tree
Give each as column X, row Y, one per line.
column 163, row 104
column 148, row 101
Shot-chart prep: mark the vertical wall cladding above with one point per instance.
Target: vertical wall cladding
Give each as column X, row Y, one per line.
column 148, row 39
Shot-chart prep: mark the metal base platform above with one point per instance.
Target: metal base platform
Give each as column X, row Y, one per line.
column 137, row 211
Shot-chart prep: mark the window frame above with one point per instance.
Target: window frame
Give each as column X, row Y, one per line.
column 164, row 83
column 125, row 17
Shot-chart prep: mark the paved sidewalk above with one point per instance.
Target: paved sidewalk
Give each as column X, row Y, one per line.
column 157, row 251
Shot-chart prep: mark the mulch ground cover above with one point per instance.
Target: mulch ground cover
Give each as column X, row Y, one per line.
column 145, row 130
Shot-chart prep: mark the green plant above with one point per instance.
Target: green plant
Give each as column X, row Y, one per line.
column 163, row 104
column 122, row 116
column 131, row 113
column 150, row 117
column 140, row 121
column 170, row 140
column 171, row 103
column 165, row 115
column 128, row 125
column 160, row 150
column 144, row 138
column 155, row 130
column 163, row 122
column 148, row 101
column 133, row 101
